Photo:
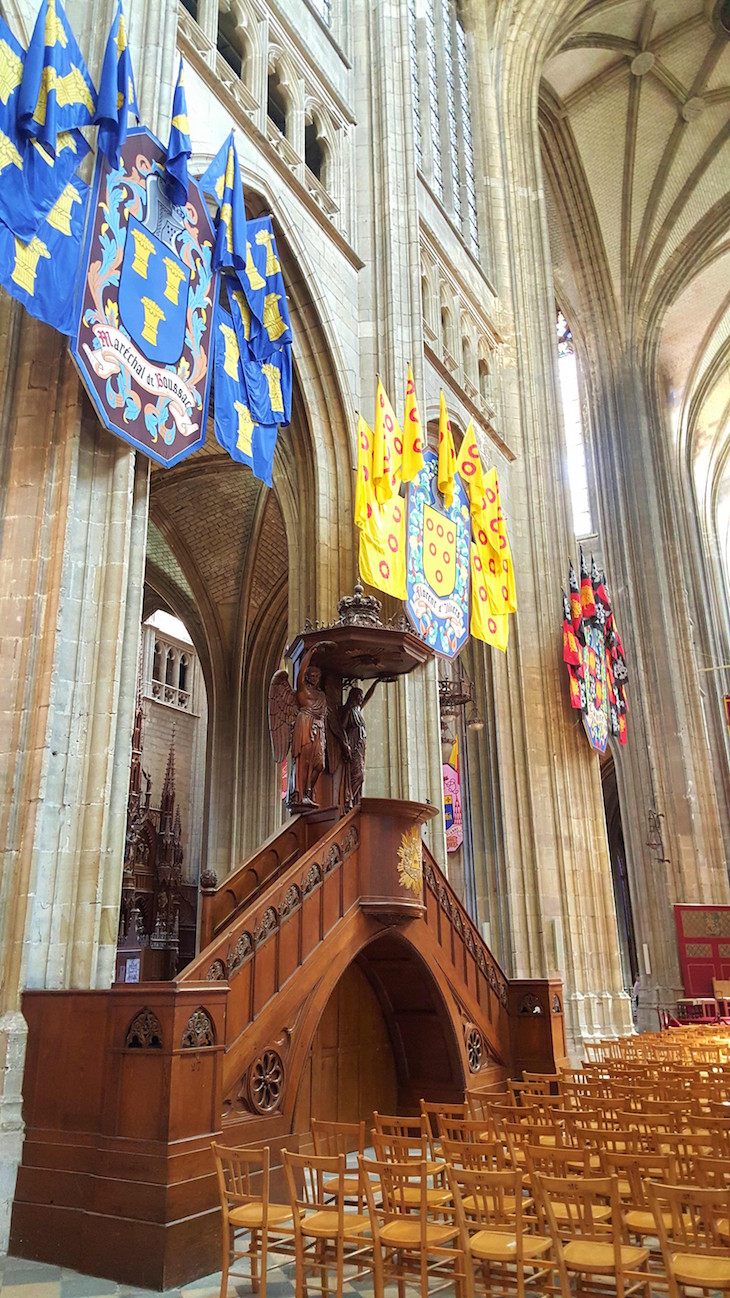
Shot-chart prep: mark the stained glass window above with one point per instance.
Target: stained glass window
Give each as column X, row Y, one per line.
column 575, row 445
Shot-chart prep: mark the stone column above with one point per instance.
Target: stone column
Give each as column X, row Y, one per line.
column 561, row 915
column 404, row 744
column 666, row 767
column 71, row 579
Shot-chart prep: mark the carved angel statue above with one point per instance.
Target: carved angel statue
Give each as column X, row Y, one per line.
column 298, row 720
column 352, row 723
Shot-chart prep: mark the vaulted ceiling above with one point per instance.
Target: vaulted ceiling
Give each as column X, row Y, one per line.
column 637, row 97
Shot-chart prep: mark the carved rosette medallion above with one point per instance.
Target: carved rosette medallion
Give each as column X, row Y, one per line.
column 474, row 1047
column 266, row 1082
column 410, row 860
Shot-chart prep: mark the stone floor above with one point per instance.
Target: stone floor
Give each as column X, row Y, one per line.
column 21, row 1279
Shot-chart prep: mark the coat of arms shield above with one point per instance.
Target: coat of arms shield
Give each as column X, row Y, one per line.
column 153, row 291
column 437, row 569
column 146, row 323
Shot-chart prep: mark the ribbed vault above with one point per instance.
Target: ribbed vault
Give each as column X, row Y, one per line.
column 635, row 115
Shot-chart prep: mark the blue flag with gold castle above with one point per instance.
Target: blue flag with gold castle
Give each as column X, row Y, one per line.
column 30, row 179
column 117, row 93
column 222, row 181
column 43, row 273
column 56, row 93
column 179, row 147
column 245, row 440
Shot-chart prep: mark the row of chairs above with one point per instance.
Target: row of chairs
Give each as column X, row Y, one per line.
column 447, row 1201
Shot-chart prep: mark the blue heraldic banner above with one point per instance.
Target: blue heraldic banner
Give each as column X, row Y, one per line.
column 43, row 273
column 57, row 93
column 222, row 182
column 263, row 284
column 245, row 439
column 30, row 179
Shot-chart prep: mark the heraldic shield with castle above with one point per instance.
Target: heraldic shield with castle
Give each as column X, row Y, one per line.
column 144, row 336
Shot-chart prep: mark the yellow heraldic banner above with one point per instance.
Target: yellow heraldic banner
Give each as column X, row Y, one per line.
column 447, row 456
column 387, row 448
column 469, row 468
column 412, row 434
column 485, row 625
column 382, row 525
column 383, row 548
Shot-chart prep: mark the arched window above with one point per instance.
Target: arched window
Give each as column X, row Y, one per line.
column 157, row 662
column 276, row 102
column 182, row 676
column 575, row 444
column 192, row 8
column 230, row 42
column 315, row 151
column 467, row 357
column 446, row 330
column 426, row 300
column 170, row 667
column 484, row 380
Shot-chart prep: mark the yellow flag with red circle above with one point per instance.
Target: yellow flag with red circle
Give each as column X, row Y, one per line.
column 412, row 433
column 364, row 486
column 492, row 628
column 387, row 447
column 383, row 547
column 447, row 456
column 469, row 468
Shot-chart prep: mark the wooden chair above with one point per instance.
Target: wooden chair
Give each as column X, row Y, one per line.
column 434, row 1113
column 481, row 1106
column 502, row 1254
column 476, row 1155
column 560, row 1162
column 410, row 1238
column 633, row 1171
column 709, row 1124
column 713, row 1172
column 333, row 1138
column 692, row 1225
column 521, row 1134
column 326, row 1236
column 412, row 1149
column 243, row 1185
column 471, row 1129
column 685, row 1151
column 588, row 1245
column 407, row 1129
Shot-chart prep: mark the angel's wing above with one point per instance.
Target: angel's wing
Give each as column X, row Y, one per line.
column 283, row 709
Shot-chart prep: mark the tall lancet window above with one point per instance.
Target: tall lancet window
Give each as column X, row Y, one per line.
column 433, row 102
column 471, row 228
column 415, row 88
column 446, row 16
column 575, row 444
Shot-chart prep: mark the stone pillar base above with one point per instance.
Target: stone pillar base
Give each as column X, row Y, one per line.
column 595, row 1015
column 13, row 1040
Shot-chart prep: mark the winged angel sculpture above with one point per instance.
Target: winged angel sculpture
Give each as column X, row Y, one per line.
column 298, row 720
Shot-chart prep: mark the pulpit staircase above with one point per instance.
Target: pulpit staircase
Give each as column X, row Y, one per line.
column 117, row 1177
